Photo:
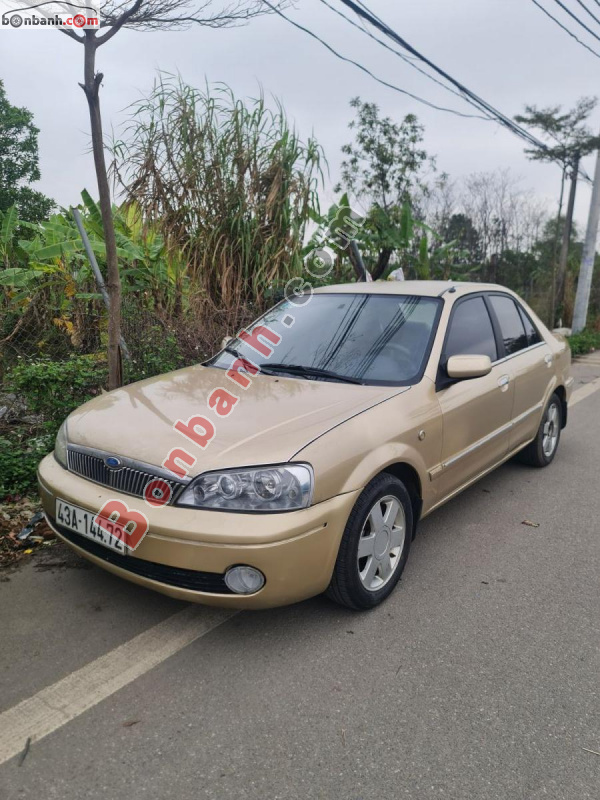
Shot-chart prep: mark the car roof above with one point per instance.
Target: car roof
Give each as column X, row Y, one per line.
column 418, row 288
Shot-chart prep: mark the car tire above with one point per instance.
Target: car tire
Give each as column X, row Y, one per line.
column 381, row 525
column 541, row 451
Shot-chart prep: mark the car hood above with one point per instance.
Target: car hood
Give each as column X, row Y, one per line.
column 274, row 418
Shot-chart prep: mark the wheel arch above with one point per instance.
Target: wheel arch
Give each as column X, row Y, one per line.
column 412, row 480
column 562, row 396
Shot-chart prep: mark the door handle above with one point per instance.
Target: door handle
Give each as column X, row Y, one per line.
column 503, row 382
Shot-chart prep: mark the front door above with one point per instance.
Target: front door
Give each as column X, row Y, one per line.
column 477, row 412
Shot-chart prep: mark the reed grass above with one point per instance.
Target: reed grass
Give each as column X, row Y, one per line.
column 228, row 182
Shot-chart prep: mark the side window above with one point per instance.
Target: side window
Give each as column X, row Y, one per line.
column 533, row 337
column 471, row 331
column 511, row 323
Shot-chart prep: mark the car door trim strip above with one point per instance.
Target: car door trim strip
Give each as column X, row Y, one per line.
column 437, row 471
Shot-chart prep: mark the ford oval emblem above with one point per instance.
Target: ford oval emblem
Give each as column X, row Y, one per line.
column 112, row 462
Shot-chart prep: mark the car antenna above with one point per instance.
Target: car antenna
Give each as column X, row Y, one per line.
column 449, row 289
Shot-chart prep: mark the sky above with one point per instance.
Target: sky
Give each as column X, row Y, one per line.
column 506, row 51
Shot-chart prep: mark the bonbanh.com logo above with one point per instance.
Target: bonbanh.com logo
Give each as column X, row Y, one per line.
column 21, row 14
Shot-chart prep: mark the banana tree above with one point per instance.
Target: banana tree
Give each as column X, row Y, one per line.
column 386, row 239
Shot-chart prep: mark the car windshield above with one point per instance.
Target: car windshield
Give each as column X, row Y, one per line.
column 367, row 338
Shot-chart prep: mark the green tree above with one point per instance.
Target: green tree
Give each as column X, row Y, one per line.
column 19, row 162
column 568, row 139
column 383, row 168
column 566, row 133
column 462, row 232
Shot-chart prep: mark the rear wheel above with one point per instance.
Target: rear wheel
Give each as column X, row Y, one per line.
column 542, row 450
column 375, row 545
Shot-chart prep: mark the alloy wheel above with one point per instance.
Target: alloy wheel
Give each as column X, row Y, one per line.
column 551, row 430
column 381, row 543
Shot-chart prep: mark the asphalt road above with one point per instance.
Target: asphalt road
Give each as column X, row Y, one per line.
column 478, row 678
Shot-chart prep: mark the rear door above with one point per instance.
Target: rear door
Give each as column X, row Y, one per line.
column 530, row 360
column 477, row 412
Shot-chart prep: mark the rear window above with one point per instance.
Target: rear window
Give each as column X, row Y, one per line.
column 511, row 323
column 533, row 337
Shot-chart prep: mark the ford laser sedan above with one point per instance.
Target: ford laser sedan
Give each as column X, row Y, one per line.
column 301, row 457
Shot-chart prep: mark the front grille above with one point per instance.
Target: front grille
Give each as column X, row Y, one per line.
column 196, row 581
column 126, row 479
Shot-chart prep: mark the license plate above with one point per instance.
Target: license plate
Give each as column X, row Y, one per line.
column 82, row 522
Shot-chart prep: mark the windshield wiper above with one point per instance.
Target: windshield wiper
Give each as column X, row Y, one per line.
column 310, row 372
column 231, row 349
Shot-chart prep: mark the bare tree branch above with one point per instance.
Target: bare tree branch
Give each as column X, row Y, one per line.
column 120, row 22
column 178, row 14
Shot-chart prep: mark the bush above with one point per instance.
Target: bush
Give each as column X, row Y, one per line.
column 52, row 389
column 584, row 342
column 157, row 352
column 20, row 453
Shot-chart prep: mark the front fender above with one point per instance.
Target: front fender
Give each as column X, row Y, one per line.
column 405, row 429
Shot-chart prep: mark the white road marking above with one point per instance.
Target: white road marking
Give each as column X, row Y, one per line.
column 54, row 706
column 584, row 391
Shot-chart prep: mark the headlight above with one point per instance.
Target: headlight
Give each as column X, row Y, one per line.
column 280, row 488
column 60, row 446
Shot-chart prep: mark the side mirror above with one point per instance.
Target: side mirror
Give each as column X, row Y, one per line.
column 225, row 341
column 462, row 367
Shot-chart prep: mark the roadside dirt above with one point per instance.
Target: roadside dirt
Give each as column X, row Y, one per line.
column 17, row 517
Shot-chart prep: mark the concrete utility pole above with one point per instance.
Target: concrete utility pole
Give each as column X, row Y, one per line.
column 584, row 283
column 564, row 252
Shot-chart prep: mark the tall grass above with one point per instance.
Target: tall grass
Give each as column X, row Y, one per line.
column 228, row 182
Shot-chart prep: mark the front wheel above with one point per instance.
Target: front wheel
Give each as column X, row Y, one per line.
column 375, row 545
column 542, row 450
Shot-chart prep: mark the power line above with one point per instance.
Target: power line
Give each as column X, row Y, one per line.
column 368, row 71
column 576, row 18
column 565, row 29
column 474, row 99
column 365, row 13
column 585, row 8
column 404, row 58
column 490, row 112
column 362, row 29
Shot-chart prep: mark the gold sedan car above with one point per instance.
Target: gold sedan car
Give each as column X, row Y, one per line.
column 301, row 457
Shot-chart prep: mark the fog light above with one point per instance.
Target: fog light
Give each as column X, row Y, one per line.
column 244, row 580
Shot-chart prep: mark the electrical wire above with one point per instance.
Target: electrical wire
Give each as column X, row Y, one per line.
column 471, row 97
column 404, row 58
column 577, row 20
column 565, row 29
column 364, row 13
column 361, row 9
column 368, row 71
column 585, row 8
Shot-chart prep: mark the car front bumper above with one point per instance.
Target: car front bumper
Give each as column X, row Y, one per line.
column 296, row 551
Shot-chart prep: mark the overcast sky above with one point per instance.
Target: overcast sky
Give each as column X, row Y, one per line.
column 507, row 51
